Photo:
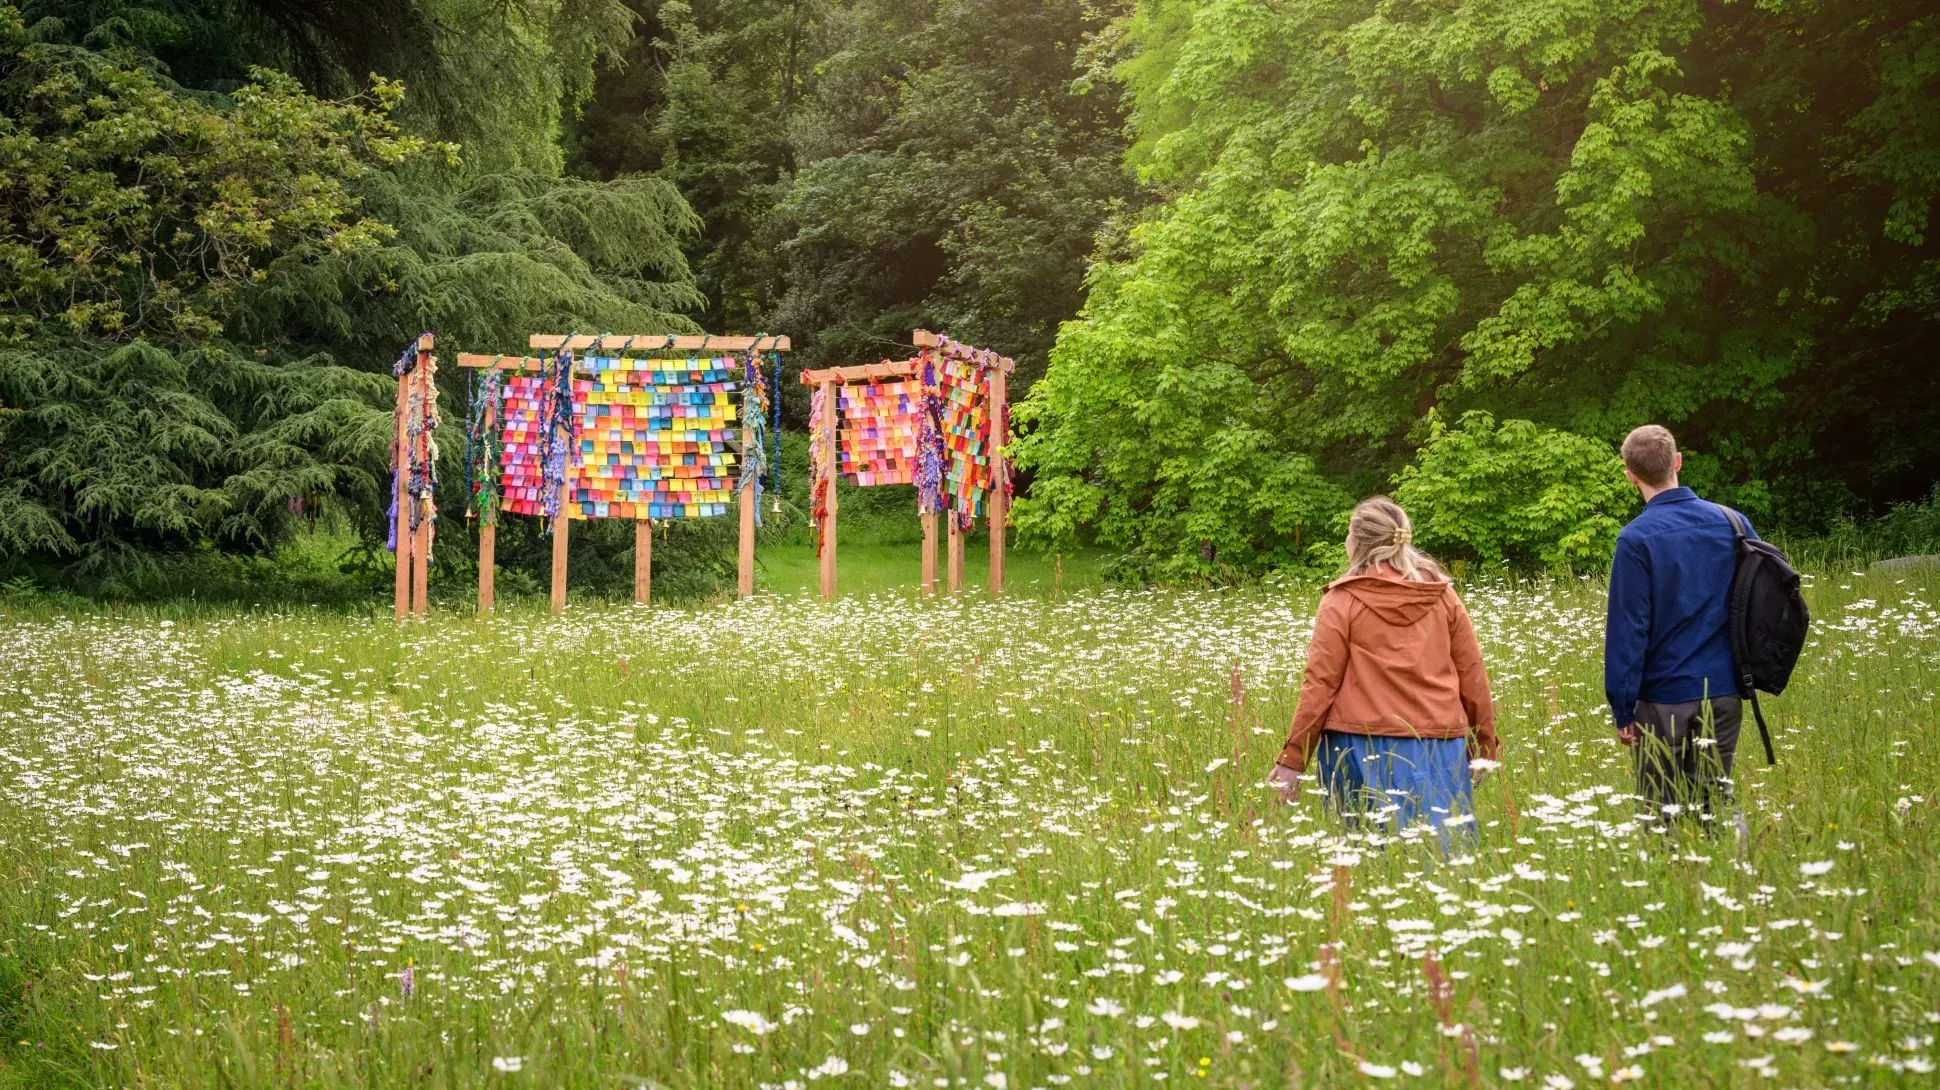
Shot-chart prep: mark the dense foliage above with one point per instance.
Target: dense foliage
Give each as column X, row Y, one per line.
column 134, row 218
column 1583, row 216
column 1288, row 254
column 864, row 168
column 201, row 289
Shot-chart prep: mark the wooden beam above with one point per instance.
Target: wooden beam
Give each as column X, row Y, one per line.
column 830, row 465
column 923, row 338
column 862, row 372
column 479, row 360
column 999, row 505
column 657, row 342
column 642, row 562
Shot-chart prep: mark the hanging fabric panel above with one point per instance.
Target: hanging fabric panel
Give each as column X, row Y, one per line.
column 966, row 436
column 655, row 438
column 522, row 446
column 878, row 431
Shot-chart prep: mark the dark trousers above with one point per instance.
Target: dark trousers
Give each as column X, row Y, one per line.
column 1683, row 759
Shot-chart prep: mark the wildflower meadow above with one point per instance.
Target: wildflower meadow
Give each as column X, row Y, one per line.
column 888, row 841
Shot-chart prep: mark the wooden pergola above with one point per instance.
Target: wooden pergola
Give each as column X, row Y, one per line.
column 642, row 528
column 998, row 369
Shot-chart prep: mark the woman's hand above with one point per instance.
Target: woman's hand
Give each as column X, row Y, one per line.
column 1286, row 781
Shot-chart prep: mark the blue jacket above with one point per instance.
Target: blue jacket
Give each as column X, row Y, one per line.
column 1668, row 637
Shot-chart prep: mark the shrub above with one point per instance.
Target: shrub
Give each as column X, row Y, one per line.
column 1515, row 492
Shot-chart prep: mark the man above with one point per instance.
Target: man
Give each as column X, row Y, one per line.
column 1667, row 662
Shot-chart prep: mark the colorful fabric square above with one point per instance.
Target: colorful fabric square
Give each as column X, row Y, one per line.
column 878, row 431
column 656, row 438
column 522, row 446
column 966, row 435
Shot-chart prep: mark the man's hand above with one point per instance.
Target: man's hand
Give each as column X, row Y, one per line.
column 1628, row 735
column 1286, row 781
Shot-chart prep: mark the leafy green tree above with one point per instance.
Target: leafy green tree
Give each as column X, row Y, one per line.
column 134, row 219
column 500, row 77
column 707, row 98
column 149, row 227
column 1583, row 215
column 955, row 169
column 863, row 168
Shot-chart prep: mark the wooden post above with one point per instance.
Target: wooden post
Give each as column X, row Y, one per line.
column 401, row 522
column 421, row 546
column 999, row 506
column 487, row 561
column 559, row 550
column 745, row 565
column 421, row 567
column 956, row 558
column 488, row 534
column 642, row 562
column 929, row 555
column 830, row 464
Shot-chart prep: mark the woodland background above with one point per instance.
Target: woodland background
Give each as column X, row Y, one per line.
column 1255, row 260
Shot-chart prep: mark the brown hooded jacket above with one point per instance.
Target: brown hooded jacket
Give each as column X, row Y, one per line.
column 1394, row 658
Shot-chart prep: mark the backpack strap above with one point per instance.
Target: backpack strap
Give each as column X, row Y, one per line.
column 1764, row 735
column 1747, row 689
column 1737, row 521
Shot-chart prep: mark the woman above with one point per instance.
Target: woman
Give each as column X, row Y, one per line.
column 1396, row 699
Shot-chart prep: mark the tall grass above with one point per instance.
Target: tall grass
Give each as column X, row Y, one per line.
column 890, row 842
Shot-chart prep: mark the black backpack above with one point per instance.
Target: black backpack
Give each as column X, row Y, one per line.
column 1768, row 621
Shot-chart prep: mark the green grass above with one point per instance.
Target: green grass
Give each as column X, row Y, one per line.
column 866, row 567
column 1018, row 843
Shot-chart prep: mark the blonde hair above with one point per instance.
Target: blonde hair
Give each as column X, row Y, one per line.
column 1379, row 533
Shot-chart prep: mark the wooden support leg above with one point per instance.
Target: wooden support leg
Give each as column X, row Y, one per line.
column 929, row 554
column 401, row 525
column 745, row 564
column 421, row 548
column 642, row 562
column 828, row 547
column 421, row 567
column 999, row 474
column 829, row 466
column 559, row 560
column 487, row 561
column 956, row 558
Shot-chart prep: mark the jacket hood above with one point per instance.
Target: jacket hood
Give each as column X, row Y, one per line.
column 1396, row 601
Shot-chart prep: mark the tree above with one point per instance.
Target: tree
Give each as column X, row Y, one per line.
column 1585, row 216
column 864, row 168
column 134, row 218
column 149, row 228
column 956, row 168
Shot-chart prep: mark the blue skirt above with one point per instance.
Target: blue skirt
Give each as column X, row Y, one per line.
column 1394, row 783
